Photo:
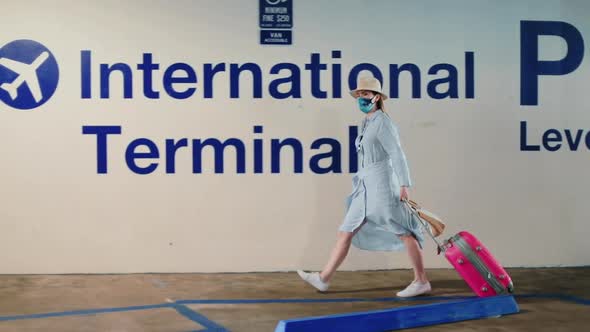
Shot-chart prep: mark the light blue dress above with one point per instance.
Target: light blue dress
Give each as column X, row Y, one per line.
column 375, row 196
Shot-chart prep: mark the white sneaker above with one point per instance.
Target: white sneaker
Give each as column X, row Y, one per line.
column 313, row 278
column 414, row 289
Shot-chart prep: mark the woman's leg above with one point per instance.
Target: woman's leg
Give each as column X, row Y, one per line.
column 420, row 285
column 338, row 254
column 416, row 259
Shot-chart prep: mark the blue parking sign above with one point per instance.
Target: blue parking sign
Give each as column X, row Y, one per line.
column 276, row 14
column 276, row 37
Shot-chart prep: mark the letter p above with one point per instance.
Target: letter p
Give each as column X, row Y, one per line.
column 530, row 65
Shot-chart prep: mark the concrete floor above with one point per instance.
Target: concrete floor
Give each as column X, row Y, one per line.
column 549, row 299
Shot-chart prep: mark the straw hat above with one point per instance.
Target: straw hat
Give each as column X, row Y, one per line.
column 368, row 83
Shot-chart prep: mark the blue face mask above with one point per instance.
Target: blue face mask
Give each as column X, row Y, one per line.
column 365, row 104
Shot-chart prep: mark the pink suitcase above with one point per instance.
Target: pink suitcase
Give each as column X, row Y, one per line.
column 474, row 262
column 476, row 265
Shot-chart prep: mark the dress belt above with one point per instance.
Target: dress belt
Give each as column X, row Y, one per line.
column 364, row 171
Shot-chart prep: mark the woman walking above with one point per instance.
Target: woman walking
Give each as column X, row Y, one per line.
column 376, row 218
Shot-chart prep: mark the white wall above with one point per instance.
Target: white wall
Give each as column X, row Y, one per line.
column 59, row 216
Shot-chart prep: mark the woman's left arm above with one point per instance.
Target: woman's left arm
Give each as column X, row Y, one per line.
column 389, row 137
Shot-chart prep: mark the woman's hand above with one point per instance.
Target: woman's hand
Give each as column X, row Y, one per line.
column 403, row 193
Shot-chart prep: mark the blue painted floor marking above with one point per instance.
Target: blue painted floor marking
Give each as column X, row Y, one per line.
column 181, row 308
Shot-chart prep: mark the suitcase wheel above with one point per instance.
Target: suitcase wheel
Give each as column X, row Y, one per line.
column 510, row 288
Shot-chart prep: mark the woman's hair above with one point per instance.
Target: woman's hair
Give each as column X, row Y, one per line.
column 380, row 104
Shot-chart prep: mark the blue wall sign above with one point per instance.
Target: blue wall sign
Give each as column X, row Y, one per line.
column 275, row 37
column 276, row 14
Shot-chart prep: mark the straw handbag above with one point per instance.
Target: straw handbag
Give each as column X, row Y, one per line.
column 436, row 225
